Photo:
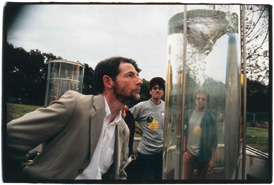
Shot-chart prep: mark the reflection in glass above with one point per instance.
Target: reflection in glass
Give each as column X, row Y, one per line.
column 213, row 64
column 200, row 137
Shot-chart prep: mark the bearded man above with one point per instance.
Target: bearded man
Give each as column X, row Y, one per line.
column 84, row 136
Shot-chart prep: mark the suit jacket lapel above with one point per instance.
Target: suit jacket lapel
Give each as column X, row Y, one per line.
column 120, row 137
column 97, row 119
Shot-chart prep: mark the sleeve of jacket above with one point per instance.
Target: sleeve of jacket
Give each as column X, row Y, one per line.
column 27, row 132
column 214, row 137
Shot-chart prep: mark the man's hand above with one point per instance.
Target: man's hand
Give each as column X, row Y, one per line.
column 210, row 165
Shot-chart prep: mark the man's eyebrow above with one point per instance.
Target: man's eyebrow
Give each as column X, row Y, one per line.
column 132, row 72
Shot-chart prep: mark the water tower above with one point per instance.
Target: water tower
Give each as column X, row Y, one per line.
column 63, row 75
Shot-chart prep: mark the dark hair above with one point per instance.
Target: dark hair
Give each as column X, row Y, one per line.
column 203, row 92
column 157, row 80
column 109, row 67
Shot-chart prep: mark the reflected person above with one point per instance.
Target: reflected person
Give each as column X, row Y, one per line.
column 201, row 137
column 84, row 136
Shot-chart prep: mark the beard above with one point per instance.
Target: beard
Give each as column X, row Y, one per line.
column 123, row 98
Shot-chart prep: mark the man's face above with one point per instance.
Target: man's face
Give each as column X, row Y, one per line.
column 127, row 84
column 201, row 101
column 156, row 92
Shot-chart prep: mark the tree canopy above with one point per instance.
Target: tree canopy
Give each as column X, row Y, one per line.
column 257, row 42
column 25, row 76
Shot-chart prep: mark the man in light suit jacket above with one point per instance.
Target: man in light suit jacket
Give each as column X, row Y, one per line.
column 83, row 136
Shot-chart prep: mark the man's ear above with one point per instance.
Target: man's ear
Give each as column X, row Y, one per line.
column 108, row 82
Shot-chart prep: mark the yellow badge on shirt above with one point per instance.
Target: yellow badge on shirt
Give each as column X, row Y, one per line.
column 152, row 123
column 197, row 130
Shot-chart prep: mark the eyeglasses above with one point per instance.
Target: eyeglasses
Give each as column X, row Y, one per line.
column 198, row 98
column 155, row 88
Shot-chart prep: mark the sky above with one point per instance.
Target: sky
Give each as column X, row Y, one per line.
column 90, row 33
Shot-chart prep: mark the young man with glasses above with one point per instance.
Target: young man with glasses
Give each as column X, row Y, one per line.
column 150, row 115
column 201, row 137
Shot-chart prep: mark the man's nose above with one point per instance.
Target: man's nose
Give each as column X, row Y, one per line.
column 139, row 82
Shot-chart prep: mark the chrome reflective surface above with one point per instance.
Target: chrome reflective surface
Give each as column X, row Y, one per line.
column 212, row 62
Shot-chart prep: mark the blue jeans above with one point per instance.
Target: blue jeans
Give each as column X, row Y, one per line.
column 152, row 166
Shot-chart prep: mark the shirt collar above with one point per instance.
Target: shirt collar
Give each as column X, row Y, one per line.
column 116, row 119
column 154, row 103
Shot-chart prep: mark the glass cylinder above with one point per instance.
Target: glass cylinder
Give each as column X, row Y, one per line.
column 63, row 75
column 203, row 92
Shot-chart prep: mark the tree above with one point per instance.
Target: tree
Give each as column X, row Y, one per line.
column 50, row 56
column 217, row 94
column 25, row 74
column 258, row 97
column 144, row 93
column 257, row 42
column 36, row 73
column 87, row 82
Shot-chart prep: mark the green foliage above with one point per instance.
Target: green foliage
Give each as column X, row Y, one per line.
column 217, row 94
column 145, row 91
column 25, row 75
column 137, row 125
column 87, row 85
column 25, row 78
column 258, row 97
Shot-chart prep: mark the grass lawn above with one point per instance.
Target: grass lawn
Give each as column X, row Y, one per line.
column 257, row 138
column 18, row 110
column 137, row 125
